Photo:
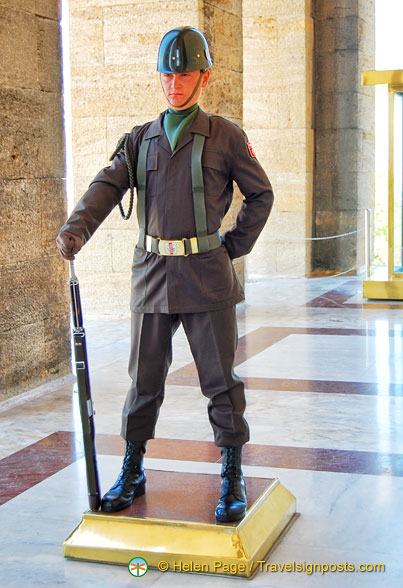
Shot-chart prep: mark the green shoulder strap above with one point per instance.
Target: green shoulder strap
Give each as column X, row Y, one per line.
column 141, row 191
column 199, row 203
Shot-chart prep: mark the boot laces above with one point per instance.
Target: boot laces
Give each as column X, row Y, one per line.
column 131, row 461
column 231, row 472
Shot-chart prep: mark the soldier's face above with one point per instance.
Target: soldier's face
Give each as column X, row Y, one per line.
column 179, row 86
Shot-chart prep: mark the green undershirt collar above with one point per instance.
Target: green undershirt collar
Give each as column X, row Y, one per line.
column 176, row 122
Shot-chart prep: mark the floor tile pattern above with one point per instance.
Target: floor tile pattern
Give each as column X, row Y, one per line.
column 323, row 375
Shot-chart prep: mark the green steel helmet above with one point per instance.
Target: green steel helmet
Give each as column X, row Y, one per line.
column 183, row 49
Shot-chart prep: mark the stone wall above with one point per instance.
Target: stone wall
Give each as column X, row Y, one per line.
column 344, row 130
column 295, row 83
column 311, row 123
column 278, row 87
column 34, row 311
column 114, row 45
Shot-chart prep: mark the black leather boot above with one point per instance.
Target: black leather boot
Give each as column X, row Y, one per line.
column 131, row 481
column 232, row 504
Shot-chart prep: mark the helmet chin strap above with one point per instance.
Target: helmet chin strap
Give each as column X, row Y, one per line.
column 191, row 95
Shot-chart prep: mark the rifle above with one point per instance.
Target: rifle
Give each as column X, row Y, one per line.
column 84, row 392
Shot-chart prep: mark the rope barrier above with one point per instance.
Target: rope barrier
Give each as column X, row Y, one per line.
column 352, row 269
column 308, row 277
column 286, row 237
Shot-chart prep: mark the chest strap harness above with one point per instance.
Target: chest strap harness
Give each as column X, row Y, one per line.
column 202, row 242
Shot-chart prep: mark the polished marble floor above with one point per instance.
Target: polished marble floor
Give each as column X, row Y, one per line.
column 323, row 371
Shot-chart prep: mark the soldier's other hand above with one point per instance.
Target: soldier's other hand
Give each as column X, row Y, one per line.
column 68, row 244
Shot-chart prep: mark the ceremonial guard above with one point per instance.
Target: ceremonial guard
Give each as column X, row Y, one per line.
column 183, row 165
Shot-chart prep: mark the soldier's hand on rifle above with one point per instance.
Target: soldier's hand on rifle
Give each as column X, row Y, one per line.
column 68, row 244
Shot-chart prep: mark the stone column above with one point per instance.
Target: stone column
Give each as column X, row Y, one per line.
column 344, row 130
column 221, row 21
column 34, row 306
column 278, row 46
column 115, row 86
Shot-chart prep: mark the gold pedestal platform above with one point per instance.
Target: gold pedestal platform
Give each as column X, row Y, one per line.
column 383, row 289
column 173, row 527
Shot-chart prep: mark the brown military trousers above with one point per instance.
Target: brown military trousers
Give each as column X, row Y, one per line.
column 213, row 340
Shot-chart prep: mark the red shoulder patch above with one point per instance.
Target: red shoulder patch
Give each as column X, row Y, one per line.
column 251, row 150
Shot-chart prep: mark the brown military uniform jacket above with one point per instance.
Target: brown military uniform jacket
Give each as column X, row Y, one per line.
column 203, row 281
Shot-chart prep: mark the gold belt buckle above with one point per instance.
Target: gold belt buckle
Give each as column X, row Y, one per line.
column 166, row 247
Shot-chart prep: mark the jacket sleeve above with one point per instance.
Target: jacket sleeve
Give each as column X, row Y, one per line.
column 104, row 193
column 257, row 203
